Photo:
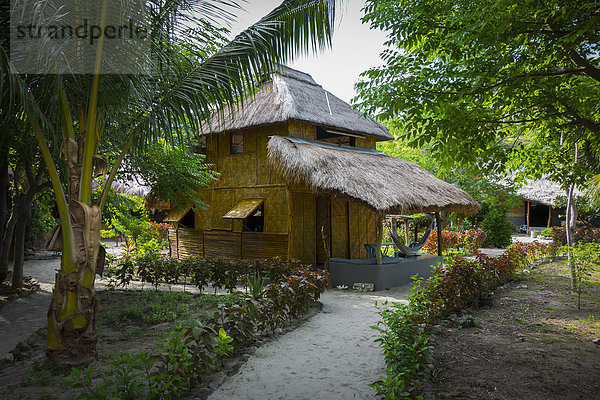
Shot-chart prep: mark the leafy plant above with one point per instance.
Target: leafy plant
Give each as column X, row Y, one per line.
column 584, row 257
column 498, row 228
column 256, row 286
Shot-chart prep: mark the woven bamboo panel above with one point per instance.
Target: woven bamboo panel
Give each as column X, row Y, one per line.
column 264, row 245
column 340, row 246
column 190, row 243
column 222, row 244
column 222, row 201
column 302, row 130
column 172, row 235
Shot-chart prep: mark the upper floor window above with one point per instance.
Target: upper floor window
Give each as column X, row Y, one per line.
column 340, row 139
column 236, row 143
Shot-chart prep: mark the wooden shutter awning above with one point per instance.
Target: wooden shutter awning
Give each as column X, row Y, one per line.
column 244, row 209
column 175, row 215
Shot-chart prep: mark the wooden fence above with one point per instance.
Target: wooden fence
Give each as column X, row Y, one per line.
column 217, row 243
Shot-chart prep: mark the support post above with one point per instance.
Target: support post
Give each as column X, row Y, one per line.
column 438, row 222
column 406, row 233
column 549, row 216
column 528, row 210
column 379, row 238
column 327, row 258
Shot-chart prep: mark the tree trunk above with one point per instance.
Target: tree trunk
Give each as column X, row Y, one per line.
column 71, row 316
column 19, row 258
column 3, row 203
column 570, row 226
column 7, row 238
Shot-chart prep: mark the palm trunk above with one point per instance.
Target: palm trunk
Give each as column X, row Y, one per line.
column 71, row 328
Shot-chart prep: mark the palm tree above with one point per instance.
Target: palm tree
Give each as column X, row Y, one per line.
column 593, row 189
column 81, row 116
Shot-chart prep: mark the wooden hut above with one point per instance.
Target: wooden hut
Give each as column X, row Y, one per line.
column 294, row 160
column 538, row 208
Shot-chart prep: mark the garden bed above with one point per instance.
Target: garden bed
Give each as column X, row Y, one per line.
column 533, row 344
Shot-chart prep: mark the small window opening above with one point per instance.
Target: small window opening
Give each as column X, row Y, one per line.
column 256, row 222
column 237, row 143
column 188, row 220
column 334, row 138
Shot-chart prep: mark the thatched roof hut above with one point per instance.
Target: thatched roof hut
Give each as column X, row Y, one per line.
column 385, row 184
column 299, row 178
column 543, row 191
column 294, row 95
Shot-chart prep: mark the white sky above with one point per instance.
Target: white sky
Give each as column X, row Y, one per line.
column 355, row 47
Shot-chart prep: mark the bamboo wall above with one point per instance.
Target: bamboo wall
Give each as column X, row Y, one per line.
column 290, row 228
column 215, row 243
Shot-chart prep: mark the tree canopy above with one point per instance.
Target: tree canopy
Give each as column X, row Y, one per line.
column 491, row 83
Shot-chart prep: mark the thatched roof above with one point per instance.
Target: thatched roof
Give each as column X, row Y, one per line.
column 384, row 183
column 543, row 191
column 294, row 95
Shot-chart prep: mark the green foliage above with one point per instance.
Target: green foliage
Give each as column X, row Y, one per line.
column 587, row 208
column 126, row 215
column 453, row 286
column 147, row 308
column 184, row 356
column 453, row 242
column 584, row 258
column 491, row 83
column 42, row 220
column 546, row 232
column 497, row 228
column 174, row 173
column 256, row 286
column 583, row 232
column 405, row 348
column 139, row 375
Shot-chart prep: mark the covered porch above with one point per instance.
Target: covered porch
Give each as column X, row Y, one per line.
column 384, row 185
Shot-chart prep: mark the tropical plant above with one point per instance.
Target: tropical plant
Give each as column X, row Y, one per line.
column 493, row 84
column 87, row 115
column 586, row 258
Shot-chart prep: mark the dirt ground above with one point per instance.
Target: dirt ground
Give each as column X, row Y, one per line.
column 532, row 344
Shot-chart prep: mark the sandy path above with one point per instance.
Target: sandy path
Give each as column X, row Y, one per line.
column 330, row 356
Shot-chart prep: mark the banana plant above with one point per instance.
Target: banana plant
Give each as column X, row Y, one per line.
column 78, row 118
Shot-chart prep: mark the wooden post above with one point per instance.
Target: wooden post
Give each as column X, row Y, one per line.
column 327, row 258
column 438, row 222
column 416, row 232
column 406, row 233
column 379, row 238
column 394, row 231
column 528, row 208
column 549, row 215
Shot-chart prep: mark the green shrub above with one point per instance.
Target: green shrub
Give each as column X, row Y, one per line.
column 584, row 233
column 497, row 228
column 547, row 232
column 451, row 287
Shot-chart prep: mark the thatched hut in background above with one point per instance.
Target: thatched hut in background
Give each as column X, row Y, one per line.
column 538, row 208
column 295, row 161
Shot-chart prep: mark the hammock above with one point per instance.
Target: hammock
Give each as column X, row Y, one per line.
column 414, row 248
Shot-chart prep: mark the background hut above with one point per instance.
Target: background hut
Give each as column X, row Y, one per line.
column 538, row 208
column 294, row 161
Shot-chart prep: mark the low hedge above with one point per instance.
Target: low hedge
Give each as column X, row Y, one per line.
column 451, row 288
column 466, row 242
column 186, row 356
column 584, row 233
column 220, row 273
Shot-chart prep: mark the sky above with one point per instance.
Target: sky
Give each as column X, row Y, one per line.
column 355, row 47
